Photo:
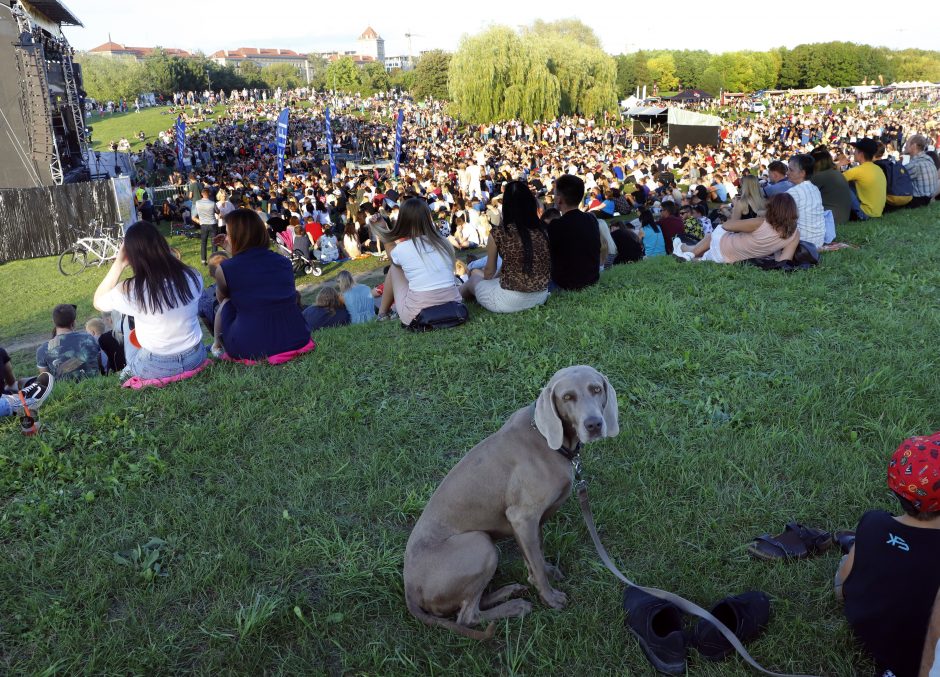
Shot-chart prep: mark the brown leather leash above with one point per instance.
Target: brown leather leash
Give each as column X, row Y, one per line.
column 683, row 604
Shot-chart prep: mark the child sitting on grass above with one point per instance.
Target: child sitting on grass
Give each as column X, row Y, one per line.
column 327, row 311
column 890, row 577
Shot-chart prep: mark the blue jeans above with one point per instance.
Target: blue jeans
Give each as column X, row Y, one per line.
column 6, row 406
column 146, row 364
column 857, row 205
column 481, row 263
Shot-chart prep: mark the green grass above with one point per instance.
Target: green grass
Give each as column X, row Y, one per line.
column 111, row 127
column 38, row 286
column 281, row 498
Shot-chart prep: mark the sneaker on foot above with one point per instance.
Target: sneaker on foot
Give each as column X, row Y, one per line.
column 746, row 615
column 657, row 624
column 676, row 245
column 35, row 392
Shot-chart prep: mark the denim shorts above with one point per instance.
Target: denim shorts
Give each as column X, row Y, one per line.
column 146, row 364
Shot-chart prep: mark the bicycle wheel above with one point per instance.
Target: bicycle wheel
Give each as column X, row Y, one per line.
column 72, row 261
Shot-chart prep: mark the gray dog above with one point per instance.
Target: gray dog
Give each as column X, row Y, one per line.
column 507, row 485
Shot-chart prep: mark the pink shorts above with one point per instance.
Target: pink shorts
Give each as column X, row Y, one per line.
column 416, row 301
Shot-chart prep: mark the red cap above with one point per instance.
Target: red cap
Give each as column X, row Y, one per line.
column 914, row 472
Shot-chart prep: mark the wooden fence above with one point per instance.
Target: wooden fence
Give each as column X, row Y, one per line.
column 35, row 221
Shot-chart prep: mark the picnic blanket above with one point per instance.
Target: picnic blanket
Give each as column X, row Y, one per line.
column 280, row 358
column 136, row 382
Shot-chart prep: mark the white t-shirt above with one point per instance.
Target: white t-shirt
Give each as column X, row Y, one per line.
column 812, row 222
column 167, row 333
column 425, row 271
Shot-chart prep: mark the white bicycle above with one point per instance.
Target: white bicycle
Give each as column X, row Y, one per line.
column 93, row 250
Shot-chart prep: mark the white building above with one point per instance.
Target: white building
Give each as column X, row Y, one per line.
column 371, row 44
column 402, row 62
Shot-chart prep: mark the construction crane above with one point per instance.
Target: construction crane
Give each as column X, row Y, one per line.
column 411, row 59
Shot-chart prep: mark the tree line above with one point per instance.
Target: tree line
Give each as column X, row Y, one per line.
column 839, row 64
column 541, row 71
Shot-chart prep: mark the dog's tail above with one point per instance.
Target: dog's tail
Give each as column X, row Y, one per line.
column 430, row 619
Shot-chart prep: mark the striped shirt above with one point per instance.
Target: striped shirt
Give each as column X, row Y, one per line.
column 923, row 173
column 812, row 223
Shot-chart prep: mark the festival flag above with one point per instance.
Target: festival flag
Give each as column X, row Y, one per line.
column 281, row 139
column 398, row 125
column 180, row 129
column 329, row 143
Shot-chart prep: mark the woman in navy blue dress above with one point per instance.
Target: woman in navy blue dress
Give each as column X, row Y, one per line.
column 258, row 316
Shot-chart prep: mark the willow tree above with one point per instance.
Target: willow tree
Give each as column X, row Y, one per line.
column 495, row 75
column 587, row 77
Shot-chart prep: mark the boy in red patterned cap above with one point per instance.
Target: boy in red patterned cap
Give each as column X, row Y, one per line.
column 891, row 575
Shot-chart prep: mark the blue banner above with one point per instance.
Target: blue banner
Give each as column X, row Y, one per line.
column 329, row 143
column 398, row 124
column 180, row 129
column 281, row 142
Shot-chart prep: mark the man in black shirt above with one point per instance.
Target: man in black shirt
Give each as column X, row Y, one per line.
column 574, row 239
column 889, row 579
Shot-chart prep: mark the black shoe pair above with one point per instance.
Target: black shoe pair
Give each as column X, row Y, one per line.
column 657, row 624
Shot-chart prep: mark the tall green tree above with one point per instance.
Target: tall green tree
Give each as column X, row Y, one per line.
column 495, row 75
column 430, row 75
column 374, row 78
column 662, row 70
column 281, row 75
column 690, row 65
column 343, row 76
column 317, row 66
column 626, row 75
column 110, row 79
column 250, row 73
column 403, row 80
column 575, row 29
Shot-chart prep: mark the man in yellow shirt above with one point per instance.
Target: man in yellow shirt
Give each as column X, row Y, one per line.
column 867, row 181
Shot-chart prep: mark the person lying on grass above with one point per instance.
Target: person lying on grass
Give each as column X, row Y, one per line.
column 774, row 235
column 890, row 577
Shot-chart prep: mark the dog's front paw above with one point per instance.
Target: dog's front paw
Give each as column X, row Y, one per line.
column 556, row 599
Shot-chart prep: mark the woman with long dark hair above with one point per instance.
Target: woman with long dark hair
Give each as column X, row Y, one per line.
column 258, row 314
column 422, row 271
column 522, row 242
column 163, row 298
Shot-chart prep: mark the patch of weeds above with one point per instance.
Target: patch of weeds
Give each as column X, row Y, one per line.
column 148, row 560
column 252, row 618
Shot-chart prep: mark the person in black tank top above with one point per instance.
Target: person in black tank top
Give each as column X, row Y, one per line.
column 891, row 576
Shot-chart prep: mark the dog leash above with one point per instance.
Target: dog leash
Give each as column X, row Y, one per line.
column 683, row 604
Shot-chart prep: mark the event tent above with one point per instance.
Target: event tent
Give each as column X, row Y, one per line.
column 690, row 95
column 687, row 128
column 913, row 85
column 683, row 127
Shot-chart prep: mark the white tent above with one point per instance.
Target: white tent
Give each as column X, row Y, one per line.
column 819, row 89
column 630, row 102
column 680, row 116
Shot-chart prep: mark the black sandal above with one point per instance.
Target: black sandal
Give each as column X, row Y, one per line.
column 796, row 542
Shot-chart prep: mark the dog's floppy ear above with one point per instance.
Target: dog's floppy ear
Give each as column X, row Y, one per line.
column 547, row 420
column 611, row 410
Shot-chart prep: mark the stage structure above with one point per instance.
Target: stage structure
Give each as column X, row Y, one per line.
column 657, row 126
column 43, row 140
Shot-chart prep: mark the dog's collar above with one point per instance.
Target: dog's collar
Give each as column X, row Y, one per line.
column 570, row 454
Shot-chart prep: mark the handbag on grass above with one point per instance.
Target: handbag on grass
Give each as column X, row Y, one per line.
column 450, row 314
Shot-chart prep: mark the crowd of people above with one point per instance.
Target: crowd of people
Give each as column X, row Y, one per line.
column 554, row 204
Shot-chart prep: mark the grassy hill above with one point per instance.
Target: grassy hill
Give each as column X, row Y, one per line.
column 281, row 498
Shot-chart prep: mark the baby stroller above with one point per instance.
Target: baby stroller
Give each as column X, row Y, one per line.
column 302, row 259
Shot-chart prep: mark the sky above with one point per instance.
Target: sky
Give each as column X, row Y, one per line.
column 209, row 25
